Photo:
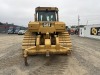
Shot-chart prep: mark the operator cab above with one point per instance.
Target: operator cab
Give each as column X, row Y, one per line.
column 46, row 14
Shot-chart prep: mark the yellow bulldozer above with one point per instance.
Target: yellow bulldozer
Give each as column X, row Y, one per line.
column 46, row 35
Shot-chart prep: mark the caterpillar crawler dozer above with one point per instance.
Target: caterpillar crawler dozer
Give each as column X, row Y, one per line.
column 46, row 35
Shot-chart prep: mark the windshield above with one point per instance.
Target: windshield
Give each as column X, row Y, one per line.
column 46, row 16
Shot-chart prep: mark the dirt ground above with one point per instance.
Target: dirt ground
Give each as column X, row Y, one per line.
column 84, row 60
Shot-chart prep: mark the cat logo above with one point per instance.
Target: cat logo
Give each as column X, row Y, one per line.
column 94, row 31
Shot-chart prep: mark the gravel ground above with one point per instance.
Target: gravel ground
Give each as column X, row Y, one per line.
column 84, row 60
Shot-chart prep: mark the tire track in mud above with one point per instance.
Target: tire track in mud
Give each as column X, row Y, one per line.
column 11, row 62
column 56, row 65
column 88, row 66
column 88, row 54
column 89, row 60
column 89, row 42
column 12, row 56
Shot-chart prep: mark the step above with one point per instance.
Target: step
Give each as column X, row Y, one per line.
column 28, row 41
column 29, row 38
column 65, row 41
column 25, row 47
column 63, row 34
column 28, row 44
column 64, row 38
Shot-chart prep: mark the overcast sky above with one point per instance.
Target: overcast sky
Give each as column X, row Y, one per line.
column 20, row 12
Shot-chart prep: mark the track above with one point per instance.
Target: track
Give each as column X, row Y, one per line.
column 64, row 40
column 29, row 40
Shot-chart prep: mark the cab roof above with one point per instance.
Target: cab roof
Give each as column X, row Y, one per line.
column 46, row 9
